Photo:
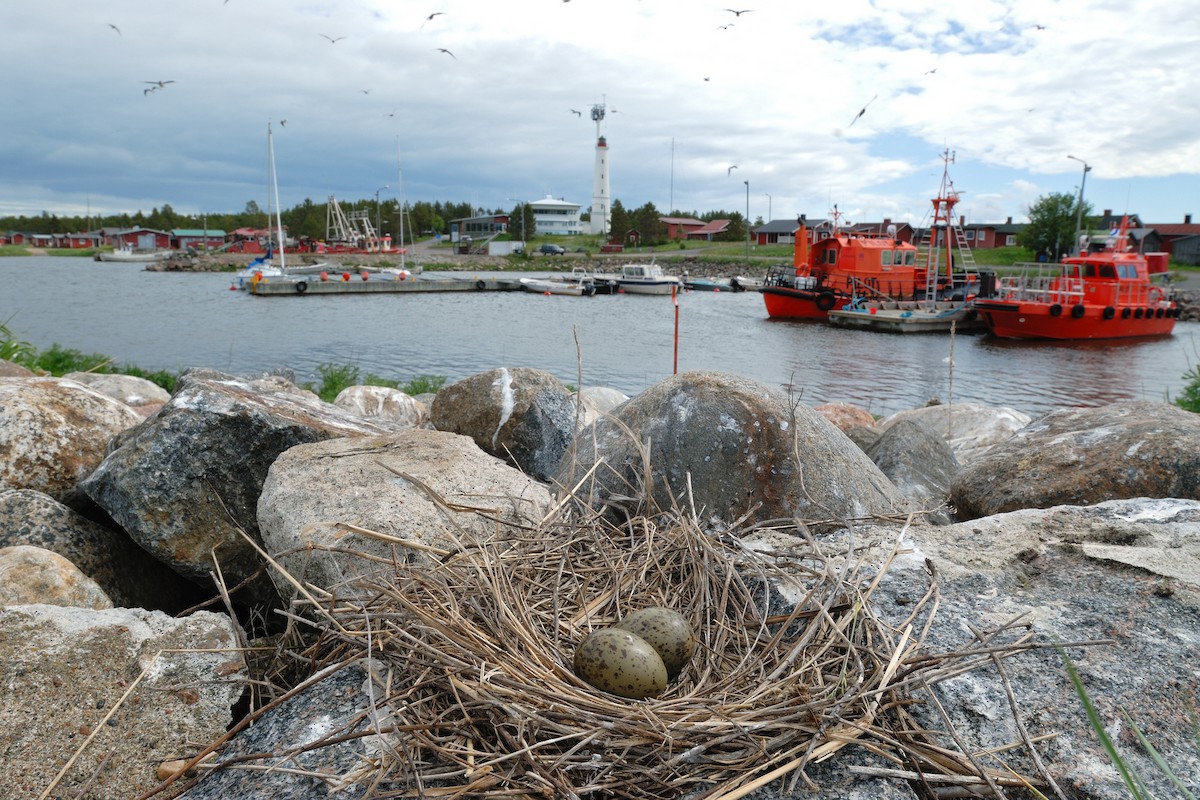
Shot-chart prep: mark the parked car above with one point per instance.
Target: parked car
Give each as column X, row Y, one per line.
column 552, row 249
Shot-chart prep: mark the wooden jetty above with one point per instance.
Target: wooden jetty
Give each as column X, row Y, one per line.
column 380, row 284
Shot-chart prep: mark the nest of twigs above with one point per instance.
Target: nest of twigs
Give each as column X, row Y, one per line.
column 475, row 691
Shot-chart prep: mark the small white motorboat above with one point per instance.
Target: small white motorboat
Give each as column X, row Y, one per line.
column 552, row 286
column 647, row 279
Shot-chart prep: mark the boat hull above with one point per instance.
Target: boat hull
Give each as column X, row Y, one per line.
column 1030, row 320
column 786, row 303
column 123, row 257
column 568, row 288
column 647, row 287
column 912, row 318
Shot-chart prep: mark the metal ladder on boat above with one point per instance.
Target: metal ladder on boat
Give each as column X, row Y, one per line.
column 965, row 257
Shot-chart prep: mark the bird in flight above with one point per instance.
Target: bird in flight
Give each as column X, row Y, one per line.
column 283, row 123
column 724, row 27
column 1039, row 27
column 931, row 71
column 115, row 28
column 431, row 16
column 737, row 13
column 862, row 111
column 333, row 40
column 366, row 91
column 729, row 171
column 576, row 113
column 159, row 84
column 707, row 79
column 447, row 52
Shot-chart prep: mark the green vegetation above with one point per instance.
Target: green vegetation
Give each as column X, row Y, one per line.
column 336, row 377
column 1189, row 399
column 1051, row 229
column 58, row 361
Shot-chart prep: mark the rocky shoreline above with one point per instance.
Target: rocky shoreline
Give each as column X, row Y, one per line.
column 127, row 509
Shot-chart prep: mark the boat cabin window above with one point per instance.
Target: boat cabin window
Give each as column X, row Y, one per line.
column 886, row 258
column 1108, row 271
column 910, row 258
column 1127, row 270
column 831, row 256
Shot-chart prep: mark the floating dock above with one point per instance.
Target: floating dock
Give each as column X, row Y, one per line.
column 380, row 284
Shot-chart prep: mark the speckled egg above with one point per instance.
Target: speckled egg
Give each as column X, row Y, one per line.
column 620, row 662
column 667, row 631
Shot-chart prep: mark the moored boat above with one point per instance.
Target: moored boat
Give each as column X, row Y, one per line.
column 1107, row 294
column 134, row 256
column 555, row 286
column 646, row 279
column 824, row 272
column 948, row 299
column 268, row 266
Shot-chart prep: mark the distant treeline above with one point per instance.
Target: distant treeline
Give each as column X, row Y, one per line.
column 310, row 219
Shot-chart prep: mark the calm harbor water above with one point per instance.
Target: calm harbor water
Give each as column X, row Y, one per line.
column 178, row 320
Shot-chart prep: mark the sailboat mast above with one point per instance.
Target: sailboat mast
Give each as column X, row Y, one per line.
column 400, row 195
column 273, row 193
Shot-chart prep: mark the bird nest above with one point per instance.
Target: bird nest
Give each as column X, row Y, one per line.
column 474, row 691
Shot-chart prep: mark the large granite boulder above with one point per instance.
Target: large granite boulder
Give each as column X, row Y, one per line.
column 106, row 554
column 383, row 405
column 1086, row 455
column 54, row 432
column 10, row 369
column 321, row 737
column 30, row 575
column 845, row 416
column 106, row 696
column 421, row 491
column 525, row 416
column 971, row 429
column 185, row 484
column 1117, row 583
column 740, row 447
column 918, row 462
column 129, row 389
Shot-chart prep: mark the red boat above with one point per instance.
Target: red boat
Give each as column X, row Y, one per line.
column 830, row 271
column 1106, row 294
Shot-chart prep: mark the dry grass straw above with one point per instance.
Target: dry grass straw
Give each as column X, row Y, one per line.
column 472, row 659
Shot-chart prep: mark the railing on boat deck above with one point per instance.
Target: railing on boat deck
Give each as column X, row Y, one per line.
column 1045, row 283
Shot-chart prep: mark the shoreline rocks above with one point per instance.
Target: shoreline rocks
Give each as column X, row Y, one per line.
column 1083, row 524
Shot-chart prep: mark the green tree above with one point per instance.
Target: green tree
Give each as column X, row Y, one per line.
column 1051, row 228
column 647, row 222
column 621, row 223
column 521, row 222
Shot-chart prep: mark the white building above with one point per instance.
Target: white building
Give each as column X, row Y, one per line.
column 556, row 217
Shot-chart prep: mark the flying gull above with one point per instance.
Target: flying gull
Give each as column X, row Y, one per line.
column 447, row 52
column 729, row 171
column 333, row 40
column 737, row 13
column 115, row 28
column 861, row 111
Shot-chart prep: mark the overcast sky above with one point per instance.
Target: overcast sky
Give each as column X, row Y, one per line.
column 850, row 102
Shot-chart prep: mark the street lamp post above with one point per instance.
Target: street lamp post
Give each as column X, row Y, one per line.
column 768, row 208
column 747, row 218
column 1079, row 210
column 378, row 221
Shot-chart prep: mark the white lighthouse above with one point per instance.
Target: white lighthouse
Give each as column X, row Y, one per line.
column 601, row 211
